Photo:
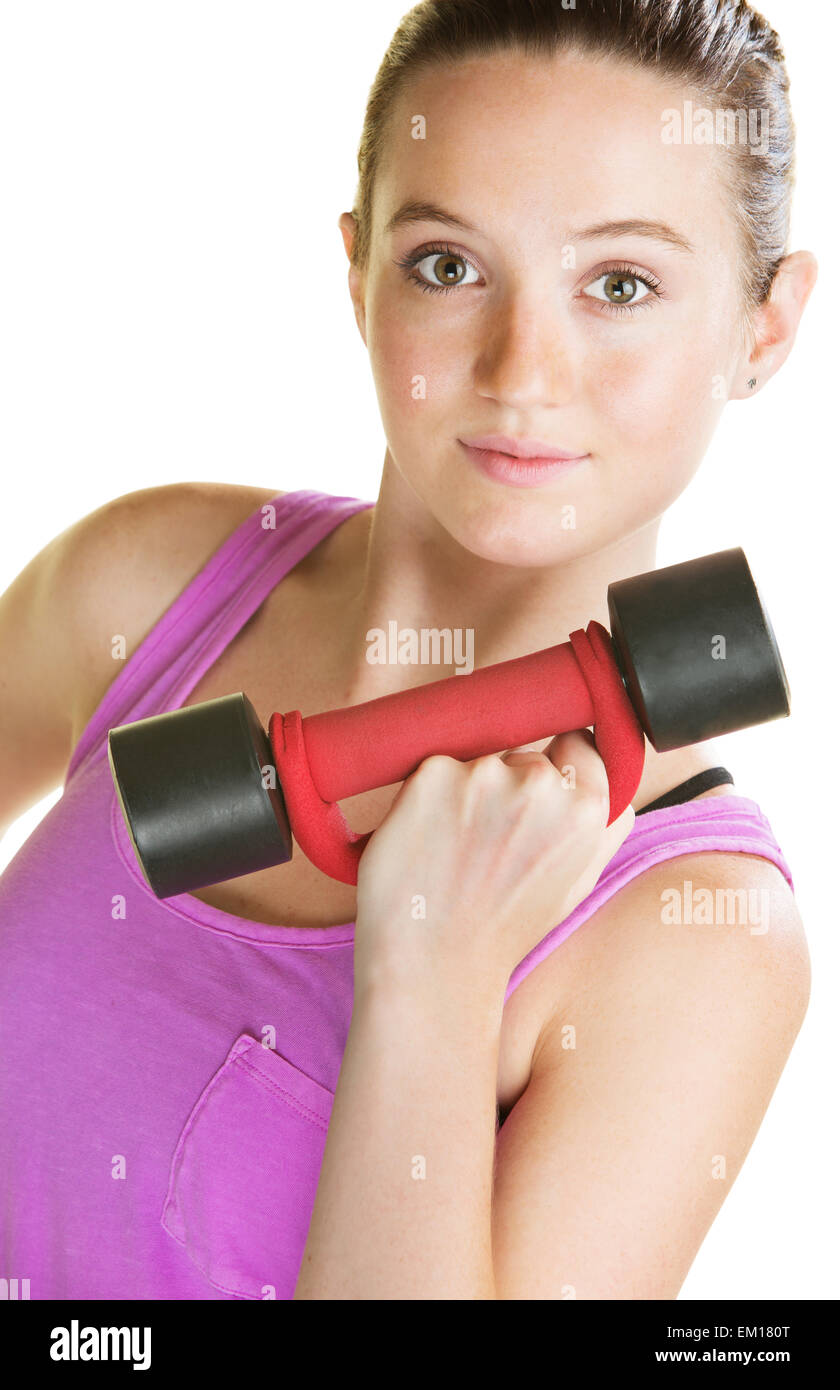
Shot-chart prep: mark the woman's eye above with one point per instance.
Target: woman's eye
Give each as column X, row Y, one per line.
column 445, row 269
column 441, row 269
column 620, row 288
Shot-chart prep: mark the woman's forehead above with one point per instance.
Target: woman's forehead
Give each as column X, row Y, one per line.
column 569, row 154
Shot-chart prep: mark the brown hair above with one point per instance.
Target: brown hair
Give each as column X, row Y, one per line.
column 722, row 49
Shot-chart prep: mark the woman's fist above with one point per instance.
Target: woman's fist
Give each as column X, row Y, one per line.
column 475, row 862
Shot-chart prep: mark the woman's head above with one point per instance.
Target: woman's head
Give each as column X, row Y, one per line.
column 555, row 133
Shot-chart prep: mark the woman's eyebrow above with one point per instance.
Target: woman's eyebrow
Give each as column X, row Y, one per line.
column 632, row 226
column 417, row 211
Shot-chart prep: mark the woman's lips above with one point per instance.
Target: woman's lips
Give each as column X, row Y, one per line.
column 517, row 472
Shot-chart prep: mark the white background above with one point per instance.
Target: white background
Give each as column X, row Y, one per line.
column 175, row 306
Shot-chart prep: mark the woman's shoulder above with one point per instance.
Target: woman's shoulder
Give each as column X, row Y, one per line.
column 114, row 571
column 118, row 569
column 725, row 918
column 185, row 521
column 178, row 525
column 140, row 549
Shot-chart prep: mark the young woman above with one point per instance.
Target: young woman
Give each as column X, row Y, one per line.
column 493, row 1070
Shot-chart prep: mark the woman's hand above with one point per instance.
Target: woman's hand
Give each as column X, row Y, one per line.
column 475, row 862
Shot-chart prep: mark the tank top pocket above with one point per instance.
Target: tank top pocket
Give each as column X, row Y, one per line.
column 245, row 1172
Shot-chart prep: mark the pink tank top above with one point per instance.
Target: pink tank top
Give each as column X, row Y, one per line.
column 167, row 1069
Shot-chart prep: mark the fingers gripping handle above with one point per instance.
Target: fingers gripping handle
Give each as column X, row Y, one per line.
column 320, row 828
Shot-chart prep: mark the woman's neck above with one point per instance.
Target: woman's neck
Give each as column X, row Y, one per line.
column 409, row 574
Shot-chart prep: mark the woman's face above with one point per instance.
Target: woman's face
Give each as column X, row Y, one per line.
column 620, row 346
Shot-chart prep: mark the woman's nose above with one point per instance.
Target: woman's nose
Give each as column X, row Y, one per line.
column 529, row 356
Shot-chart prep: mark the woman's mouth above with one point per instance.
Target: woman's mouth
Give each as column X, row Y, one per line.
column 529, row 471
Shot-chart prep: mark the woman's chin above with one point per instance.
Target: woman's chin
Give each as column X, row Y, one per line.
column 529, row 537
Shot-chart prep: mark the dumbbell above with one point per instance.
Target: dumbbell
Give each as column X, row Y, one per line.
column 208, row 795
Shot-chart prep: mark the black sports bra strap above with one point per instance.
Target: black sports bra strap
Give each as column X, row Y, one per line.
column 686, row 791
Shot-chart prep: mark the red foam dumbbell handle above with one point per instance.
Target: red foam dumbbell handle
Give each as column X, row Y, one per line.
column 326, row 757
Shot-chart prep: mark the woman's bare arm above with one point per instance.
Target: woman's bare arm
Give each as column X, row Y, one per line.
column 404, row 1194
column 612, row 1164
column 648, row 1090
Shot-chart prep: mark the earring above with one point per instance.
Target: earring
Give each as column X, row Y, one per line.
column 751, row 383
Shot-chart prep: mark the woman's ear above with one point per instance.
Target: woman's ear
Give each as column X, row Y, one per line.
column 774, row 324
column 355, row 279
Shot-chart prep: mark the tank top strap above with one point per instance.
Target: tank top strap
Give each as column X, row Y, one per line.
column 734, row 824
column 211, row 610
